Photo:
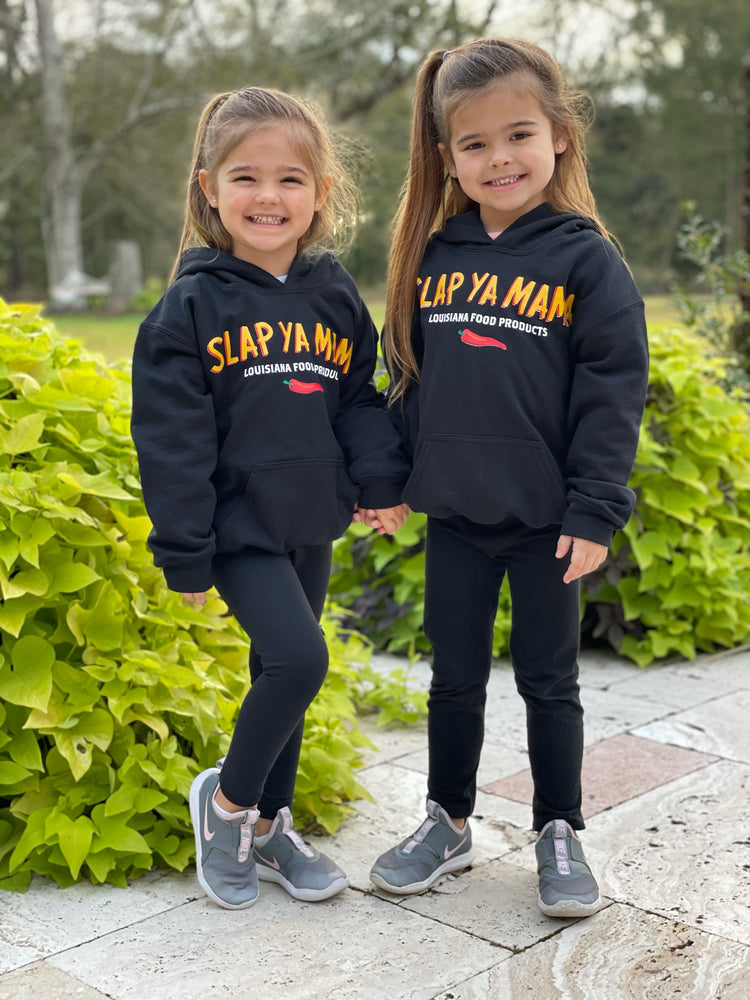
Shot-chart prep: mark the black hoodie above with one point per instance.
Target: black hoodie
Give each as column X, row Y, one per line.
column 254, row 414
column 534, row 366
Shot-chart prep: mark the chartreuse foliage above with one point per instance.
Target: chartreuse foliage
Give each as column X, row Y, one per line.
column 113, row 692
column 678, row 576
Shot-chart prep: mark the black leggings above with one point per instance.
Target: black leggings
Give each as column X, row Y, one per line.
column 278, row 601
column 466, row 564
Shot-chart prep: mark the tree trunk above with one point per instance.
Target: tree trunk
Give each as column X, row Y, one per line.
column 63, row 243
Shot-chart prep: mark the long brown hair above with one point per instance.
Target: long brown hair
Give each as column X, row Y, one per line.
column 225, row 121
column 430, row 196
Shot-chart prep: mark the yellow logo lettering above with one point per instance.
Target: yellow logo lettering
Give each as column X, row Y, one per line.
column 343, row 355
column 232, row 359
column 539, row 305
column 476, row 284
column 457, row 279
column 264, row 332
column 490, row 292
column 300, row 339
column 213, row 349
column 519, row 294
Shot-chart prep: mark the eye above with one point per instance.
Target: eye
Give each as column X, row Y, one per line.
column 472, row 145
column 246, row 178
column 520, row 136
column 292, row 180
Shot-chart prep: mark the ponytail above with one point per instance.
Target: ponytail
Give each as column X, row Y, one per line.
column 419, row 214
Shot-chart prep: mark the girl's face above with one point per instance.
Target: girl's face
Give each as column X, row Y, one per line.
column 502, row 151
column 266, row 197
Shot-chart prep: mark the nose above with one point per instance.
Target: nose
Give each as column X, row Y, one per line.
column 501, row 154
column 266, row 194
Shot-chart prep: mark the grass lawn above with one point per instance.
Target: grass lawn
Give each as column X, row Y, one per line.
column 113, row 336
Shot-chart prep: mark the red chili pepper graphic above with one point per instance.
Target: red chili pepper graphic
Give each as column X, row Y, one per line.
column 303, row 387
column 469, row 337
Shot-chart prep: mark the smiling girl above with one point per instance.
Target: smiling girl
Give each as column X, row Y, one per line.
column 519, row 373
column 248, row 480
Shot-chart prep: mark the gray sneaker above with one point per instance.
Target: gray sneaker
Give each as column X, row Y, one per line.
column 223, row 848
column 282, row 856
column 566, row 886
column 436, row 848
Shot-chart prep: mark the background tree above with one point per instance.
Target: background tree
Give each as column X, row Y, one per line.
column 666, row 76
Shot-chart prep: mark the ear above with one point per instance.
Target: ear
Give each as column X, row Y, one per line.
column 561, row 143
column 323, row 193
column 207, row 187
column 447, row 159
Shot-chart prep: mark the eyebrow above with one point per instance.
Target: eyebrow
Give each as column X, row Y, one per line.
column 248, row 168
column 510, row 125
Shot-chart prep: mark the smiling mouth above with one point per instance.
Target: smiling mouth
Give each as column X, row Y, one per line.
column 267, row 220
column 504, row 181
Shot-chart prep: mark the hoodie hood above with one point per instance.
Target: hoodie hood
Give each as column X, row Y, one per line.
column 526, row 235
column 311, row 270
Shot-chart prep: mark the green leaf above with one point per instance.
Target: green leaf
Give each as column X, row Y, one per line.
column 29, row 681
column 73, row 836
column 23, row 436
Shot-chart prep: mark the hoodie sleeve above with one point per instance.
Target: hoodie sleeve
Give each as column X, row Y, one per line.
column 608, row 391
column 174, row 431
column 371, row 444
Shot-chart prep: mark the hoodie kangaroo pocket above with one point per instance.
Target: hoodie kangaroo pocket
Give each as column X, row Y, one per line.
column 486, row 479
column 295, row 503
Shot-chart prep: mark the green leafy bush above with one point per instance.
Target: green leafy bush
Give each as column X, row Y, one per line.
column 113, row 692
column 678, row 575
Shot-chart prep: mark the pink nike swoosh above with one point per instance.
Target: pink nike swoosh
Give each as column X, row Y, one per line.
column 448, row 854
column 271, row 864
column 207, row 834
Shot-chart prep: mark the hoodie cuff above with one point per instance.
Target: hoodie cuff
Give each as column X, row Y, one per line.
column 593, row 529
column 189, row 578
column 377, row 494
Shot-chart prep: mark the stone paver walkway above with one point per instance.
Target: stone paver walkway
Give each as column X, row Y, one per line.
column 667, row 801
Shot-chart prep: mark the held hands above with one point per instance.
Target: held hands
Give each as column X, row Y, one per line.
column 384, row 520
column 585, row 557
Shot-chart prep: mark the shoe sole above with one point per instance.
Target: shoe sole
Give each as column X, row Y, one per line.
column 306, row 895
column 569, row 908
column 453, row 865
column 195, row 817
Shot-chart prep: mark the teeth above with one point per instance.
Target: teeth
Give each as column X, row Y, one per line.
column 267, row 220
column 501, row 182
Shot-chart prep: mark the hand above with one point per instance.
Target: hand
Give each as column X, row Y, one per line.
column 199, row 598
column 385, row 520
column 390, row 519
column 585, row 557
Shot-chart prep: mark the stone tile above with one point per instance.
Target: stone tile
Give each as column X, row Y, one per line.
column 680, row 850
column 392, row 743
column 614, row 771
column 496, row 902
column 47, row 919
column 497, row 760
column 43, row 980
column 687, row 683
column 355, row 946
column 619, row 954
column 717, row 727
column 607, row 712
